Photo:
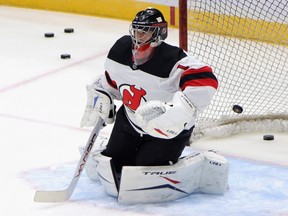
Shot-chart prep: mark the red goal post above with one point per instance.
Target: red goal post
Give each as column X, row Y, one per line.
column 183, row 29
column 246, row 44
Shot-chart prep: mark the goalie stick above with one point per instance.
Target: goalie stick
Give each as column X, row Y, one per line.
column 65, row 194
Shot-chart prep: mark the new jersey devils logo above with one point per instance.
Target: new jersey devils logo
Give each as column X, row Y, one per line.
column 131, row 96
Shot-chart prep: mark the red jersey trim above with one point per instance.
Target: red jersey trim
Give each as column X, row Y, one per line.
column 111, row 82
column 198, row 77
column 201, row 82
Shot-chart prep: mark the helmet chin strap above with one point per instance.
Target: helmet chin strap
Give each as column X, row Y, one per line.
column 156, row 42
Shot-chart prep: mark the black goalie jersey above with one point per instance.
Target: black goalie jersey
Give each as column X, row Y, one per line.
column 170, row 69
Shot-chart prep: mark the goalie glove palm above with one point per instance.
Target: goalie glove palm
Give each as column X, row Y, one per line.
column 165, row 120
column 99, row 104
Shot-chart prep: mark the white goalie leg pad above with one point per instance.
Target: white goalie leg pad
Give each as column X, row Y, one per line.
column 91, row 167
column 214, row 177
column 92, row 162
column 151, row 184
column 106, row 175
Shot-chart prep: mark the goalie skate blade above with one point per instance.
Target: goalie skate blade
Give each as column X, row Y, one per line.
column 51, row 196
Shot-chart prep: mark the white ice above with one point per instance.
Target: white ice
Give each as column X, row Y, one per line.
column 42, row 98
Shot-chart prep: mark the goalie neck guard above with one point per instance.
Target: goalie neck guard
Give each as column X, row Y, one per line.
column 147, row 30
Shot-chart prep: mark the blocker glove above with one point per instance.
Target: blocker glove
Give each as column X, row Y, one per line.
column 165, row 120
column 99, row 104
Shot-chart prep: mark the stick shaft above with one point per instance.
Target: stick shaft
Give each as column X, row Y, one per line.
column 65, row 194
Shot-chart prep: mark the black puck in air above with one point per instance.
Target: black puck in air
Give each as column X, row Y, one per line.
column 237, row 109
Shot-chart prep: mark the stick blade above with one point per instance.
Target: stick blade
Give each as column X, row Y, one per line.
column 51, row 196
column 63, row 195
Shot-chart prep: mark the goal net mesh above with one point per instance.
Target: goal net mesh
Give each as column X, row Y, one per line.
column 246, row 44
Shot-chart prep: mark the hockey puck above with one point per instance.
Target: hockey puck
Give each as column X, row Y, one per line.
column 268, row 137
column 65, row 56
column 68, row 30
column 237, row 109
column 49, row 35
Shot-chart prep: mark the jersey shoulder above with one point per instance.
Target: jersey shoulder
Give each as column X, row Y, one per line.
column 121, row 51
column 160, row 65
column 172, row 52
column 164, row 60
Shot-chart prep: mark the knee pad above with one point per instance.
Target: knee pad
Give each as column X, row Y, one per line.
column 214, row 177
column 107, row 174
column 92, row 161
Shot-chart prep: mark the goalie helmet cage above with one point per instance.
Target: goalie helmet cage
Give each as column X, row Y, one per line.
column 245, row 42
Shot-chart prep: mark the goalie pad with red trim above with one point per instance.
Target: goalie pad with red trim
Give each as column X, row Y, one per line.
column 205, row 172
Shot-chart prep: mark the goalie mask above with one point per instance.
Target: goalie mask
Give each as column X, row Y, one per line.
column 147, row 31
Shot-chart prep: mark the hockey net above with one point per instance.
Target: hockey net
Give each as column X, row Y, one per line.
column 245, row 42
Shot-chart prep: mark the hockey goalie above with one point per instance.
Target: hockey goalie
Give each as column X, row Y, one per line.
column 162, row 89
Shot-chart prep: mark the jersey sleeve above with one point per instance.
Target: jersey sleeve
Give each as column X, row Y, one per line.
column 104, row 81
column 198, row 82
column 110, row 85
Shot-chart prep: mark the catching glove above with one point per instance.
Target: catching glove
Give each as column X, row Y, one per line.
column 165, row 120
